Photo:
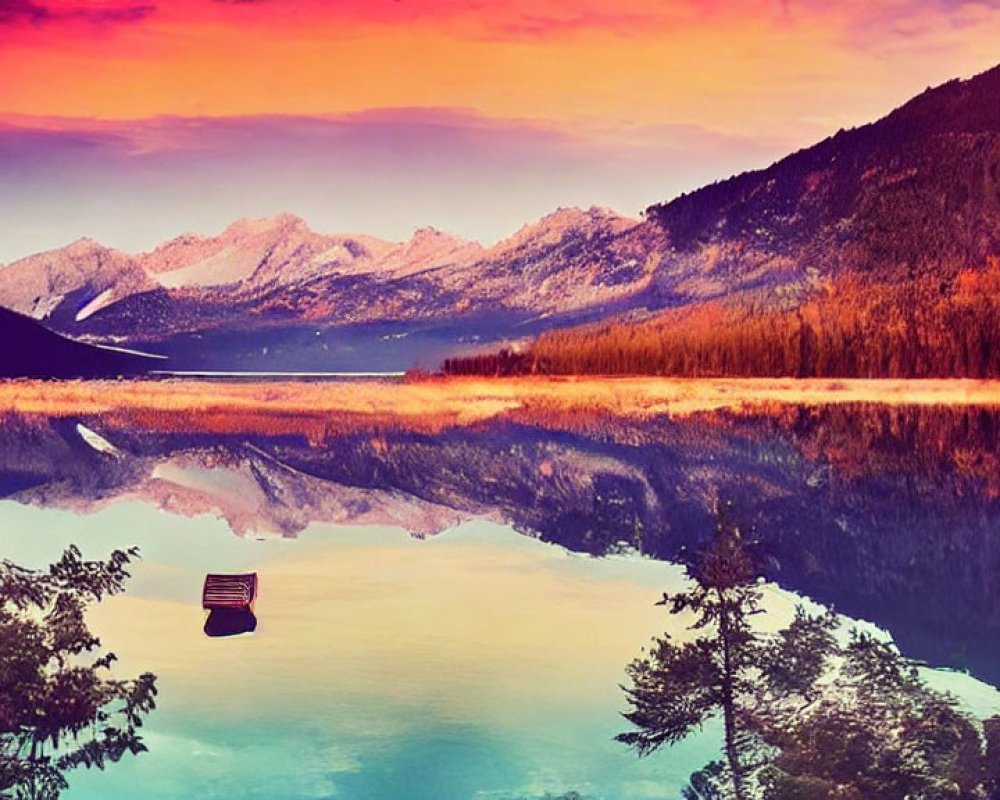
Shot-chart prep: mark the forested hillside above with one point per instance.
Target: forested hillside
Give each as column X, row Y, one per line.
column 917, row 329
column 871, row 254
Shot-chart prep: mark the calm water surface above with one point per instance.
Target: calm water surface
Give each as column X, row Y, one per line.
column 475, row 664
column 448, row 615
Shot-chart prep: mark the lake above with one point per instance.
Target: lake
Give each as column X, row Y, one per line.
column 453, row 576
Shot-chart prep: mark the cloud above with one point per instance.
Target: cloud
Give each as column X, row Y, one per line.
column 510, row 19
column 526, row 19
column 415, row 135
column 857, row 22
column 133, row 184
column 127, row 13
column 19, row 12
column 890, row 25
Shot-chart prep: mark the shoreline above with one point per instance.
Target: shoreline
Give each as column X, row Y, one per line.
column 466, row 399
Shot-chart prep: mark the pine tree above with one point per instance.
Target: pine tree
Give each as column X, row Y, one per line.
column 806, row 716
column 676, row 688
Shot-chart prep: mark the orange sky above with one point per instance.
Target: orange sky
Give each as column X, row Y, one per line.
column 769, row 69
column 132, row 121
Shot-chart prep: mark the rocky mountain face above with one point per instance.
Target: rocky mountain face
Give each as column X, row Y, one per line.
column 914, row 194
column 72, row 282
column 269, row 273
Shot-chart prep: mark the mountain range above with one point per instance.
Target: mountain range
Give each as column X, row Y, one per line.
column 267, row 271
column 913, row 195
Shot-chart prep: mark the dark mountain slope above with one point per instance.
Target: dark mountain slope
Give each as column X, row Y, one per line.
column 32, row 351
column 917, row 191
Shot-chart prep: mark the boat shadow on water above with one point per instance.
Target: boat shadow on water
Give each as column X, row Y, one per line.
column 230, row 622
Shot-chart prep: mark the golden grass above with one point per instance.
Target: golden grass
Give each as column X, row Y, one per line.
column 436, row 403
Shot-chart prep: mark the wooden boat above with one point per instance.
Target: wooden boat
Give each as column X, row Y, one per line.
column 235, row 592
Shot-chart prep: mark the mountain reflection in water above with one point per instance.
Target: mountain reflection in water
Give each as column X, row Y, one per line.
column 891, row 514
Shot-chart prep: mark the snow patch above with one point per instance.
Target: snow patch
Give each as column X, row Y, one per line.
column 102, row 300
column 227, row 266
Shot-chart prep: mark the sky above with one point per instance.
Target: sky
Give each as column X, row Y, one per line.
column 133, row 121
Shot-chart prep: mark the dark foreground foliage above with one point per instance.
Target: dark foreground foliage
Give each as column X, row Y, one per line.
column 807, row 715
column 59, row 706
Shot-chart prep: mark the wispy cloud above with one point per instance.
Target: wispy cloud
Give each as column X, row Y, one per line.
column 19, row 12
column 522, row 19
column 532, row 19
column 132, row 184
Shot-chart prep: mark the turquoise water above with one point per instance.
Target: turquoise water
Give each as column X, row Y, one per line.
column 474, row 664
column 483, row 662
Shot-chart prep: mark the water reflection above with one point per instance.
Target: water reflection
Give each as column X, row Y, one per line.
column 478, row 663
column 229, row 622
column 890, row 514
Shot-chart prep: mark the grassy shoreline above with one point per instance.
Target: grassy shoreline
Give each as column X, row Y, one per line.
column 469, row 399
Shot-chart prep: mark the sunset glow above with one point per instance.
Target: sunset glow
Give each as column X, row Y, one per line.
column 764, row 67
column 535, row 104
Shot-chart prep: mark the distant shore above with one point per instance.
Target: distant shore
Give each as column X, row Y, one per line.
column 465, row 400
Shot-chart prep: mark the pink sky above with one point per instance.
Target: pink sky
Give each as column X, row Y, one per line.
column 134, row 121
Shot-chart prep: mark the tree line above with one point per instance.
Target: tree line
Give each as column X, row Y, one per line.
column 920, row 327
